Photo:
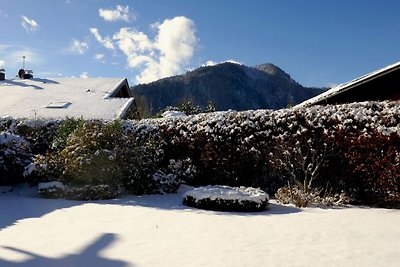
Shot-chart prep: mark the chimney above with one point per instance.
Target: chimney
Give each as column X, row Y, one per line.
column 28, row 74
column 25, row 74
column 2, row 74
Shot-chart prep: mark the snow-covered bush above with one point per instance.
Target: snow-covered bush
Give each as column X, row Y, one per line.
column 46, row 168
column 64, row 130
column 177, row 172
column 165, row 182
column 140, row 159
column 57, row 189
column 299, row 197
column 226, row 198
column 15, row 154
column 38, row 132
column 89, row 156
column 183, row 169
column 103, row 154
column 100, row 157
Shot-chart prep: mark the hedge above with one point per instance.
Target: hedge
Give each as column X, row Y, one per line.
column 350, row 147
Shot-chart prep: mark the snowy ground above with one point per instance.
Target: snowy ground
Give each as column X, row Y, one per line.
column 159, row 231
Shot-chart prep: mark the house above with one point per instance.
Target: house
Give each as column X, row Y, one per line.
column 382, row 84
column 89, row 98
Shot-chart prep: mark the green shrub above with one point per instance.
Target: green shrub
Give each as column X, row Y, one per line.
column 90, row 154
column 64, row 130
column 47, row 167
column 97, row 154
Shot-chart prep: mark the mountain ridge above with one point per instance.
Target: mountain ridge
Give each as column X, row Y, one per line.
column 229, row 86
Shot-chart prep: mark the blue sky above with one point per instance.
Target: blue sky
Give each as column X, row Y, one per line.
column 318, row 43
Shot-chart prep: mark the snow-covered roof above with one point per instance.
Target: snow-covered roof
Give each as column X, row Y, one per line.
column 349, row 85
column 91, row 98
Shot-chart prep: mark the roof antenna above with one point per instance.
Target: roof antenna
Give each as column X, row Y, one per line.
column 23, row 62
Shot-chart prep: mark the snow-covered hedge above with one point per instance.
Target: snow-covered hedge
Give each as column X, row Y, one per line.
column 226, row 198
column 350, row 147
column 15, row 154
column 38, row 132
column 314, row 146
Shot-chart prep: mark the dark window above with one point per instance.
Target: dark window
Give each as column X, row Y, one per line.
column 123, row 92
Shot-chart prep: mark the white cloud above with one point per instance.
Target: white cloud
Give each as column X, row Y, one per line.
column 166, row 55
column 99, row 57
column 78, row 47
column 2, row 63
column 213, row 63
column 29, row 25
column 106, row 41
column 209, row 63
column 119, row 13
column 175, row 40
column 84, row 75
column 135, row 45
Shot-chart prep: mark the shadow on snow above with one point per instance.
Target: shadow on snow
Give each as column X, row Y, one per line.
column 24, row 203
column 89, row 256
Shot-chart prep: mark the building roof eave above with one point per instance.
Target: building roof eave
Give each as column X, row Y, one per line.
column 349, row 85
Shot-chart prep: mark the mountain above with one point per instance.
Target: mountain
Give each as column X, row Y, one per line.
column 229, row 86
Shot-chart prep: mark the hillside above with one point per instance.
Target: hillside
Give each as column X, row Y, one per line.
column 229, row 85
